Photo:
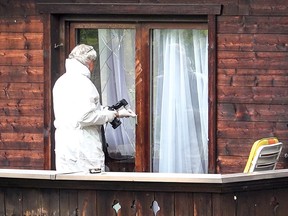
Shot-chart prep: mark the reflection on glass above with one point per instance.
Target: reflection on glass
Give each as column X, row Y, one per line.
column 114, row 78
column 180, row 101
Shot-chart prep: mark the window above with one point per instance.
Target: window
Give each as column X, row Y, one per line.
column 180, row 100
column 169, row 94
column 114, row 77
column 60, row 19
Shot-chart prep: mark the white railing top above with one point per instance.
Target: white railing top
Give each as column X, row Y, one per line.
column 143, row 176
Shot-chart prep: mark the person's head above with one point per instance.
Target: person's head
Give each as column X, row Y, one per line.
column 84, row 54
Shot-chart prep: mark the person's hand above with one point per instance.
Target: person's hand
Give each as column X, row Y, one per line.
column 126, row 113
column 111, row 114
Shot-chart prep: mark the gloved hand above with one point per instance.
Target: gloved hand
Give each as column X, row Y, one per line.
column 126, row 113
column 111, row 114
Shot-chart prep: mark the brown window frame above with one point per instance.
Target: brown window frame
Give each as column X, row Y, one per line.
column 56, row 47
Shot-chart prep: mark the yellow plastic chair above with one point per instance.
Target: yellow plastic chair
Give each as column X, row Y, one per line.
column 264, row 155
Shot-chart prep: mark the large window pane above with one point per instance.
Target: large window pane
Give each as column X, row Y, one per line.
column 114, row 78
column 180, row 101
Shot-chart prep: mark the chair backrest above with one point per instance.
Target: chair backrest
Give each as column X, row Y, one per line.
column 264, row 155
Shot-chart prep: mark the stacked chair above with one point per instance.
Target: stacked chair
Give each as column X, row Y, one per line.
column 264, row 155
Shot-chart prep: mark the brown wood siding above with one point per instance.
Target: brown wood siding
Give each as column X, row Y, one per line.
column 22, row 86
column 252, row 79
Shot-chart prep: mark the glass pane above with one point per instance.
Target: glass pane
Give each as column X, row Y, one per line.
column 90, row 37
column 180, row 101
column 115, row 80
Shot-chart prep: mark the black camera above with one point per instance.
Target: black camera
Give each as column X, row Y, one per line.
column 116, row 122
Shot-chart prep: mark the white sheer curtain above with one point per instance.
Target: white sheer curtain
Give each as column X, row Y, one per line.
column 117, row 71
column 180, row 101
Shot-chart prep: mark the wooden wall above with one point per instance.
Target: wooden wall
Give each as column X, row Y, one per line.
column 252, row 79
column 22, row 86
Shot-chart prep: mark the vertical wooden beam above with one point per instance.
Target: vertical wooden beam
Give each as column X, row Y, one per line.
column 212, row 94
column 51, row 73
column 47, row 90
column 142, row 159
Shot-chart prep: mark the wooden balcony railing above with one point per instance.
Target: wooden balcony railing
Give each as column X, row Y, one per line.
column 36, row 192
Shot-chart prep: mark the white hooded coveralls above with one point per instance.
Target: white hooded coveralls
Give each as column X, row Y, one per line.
column 78, row 120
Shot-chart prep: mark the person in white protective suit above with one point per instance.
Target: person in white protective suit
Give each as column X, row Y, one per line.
column 79, row 115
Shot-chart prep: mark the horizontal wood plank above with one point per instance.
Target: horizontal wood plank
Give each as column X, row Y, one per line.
column 21, row 57
column 240, row 129
column 21, row 107
column 235, row 147
column 18, row 41
column 249, row 60
column 256, row 95
column 17, row 8
column 268, row 7
column 252, row 112
column 24, row 124
column 31, row 145
column 13, row 24
column 21, row 137
column 21, row 73
column 128, row 8
column 251, row 72
column 83, row 1
column 21, row 158
column 21, row 91
column 252, row 80
column 225, row 164
column 252, row 25
column 252, row 42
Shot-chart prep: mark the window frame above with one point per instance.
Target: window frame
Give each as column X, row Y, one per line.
column 56, row 46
